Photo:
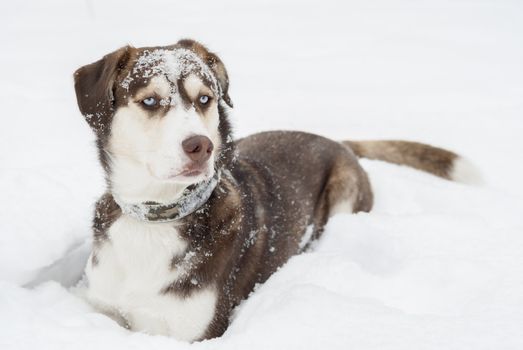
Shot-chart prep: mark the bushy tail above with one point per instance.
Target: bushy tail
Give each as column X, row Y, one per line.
column 434, row 160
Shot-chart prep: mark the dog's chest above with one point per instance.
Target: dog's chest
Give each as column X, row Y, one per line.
column 134, row 267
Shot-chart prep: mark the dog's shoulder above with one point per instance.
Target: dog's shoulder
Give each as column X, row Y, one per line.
column 106, row 212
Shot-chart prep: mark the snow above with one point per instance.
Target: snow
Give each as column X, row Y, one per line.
column 436, row 265
column 173, row 62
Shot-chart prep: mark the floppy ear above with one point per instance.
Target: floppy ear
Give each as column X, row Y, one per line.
column 214, row 62
column 94, row 85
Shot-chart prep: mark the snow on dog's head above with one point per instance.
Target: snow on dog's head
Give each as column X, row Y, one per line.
column 159, row 115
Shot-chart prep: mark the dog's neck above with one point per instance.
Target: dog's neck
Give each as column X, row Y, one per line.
column 190, row 200
column 148, row 199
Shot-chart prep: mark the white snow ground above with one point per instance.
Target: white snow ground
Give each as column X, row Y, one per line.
column 436, row 265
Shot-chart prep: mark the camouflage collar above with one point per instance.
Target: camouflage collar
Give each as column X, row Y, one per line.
column 191, row 200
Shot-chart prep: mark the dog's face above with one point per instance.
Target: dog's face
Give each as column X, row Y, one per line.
column 157, row 113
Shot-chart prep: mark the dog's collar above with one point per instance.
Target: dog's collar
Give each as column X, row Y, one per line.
column 192, row 198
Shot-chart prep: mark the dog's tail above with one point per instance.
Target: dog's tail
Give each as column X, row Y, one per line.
column 434, row 160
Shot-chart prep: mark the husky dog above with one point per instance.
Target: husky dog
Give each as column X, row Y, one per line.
column 192, row 219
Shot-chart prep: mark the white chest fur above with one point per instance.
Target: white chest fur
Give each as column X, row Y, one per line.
column 134, row 266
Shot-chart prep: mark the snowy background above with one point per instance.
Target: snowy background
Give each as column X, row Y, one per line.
column 436, row 265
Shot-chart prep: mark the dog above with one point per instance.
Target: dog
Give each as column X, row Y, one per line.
column 192, row 220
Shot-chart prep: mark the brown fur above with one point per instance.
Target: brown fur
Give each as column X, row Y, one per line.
column 94, row 84
column 417, row 155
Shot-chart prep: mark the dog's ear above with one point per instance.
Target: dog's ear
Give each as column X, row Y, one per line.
column 94, row 85
column 214, row 62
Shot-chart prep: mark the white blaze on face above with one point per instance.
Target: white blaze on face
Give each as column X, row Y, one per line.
column 211, row 119
column 146, row 148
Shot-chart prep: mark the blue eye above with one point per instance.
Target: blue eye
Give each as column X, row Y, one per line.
column 150, row 101
column 204, row 99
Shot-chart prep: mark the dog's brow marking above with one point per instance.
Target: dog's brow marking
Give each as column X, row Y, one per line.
column 157, row 86
column 194, row 86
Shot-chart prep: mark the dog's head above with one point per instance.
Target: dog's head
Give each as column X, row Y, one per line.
column 159, row 116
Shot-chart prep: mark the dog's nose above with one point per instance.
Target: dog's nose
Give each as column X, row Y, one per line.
column 198, row 148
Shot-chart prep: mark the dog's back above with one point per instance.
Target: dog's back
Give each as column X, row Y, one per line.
column 295, row 181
